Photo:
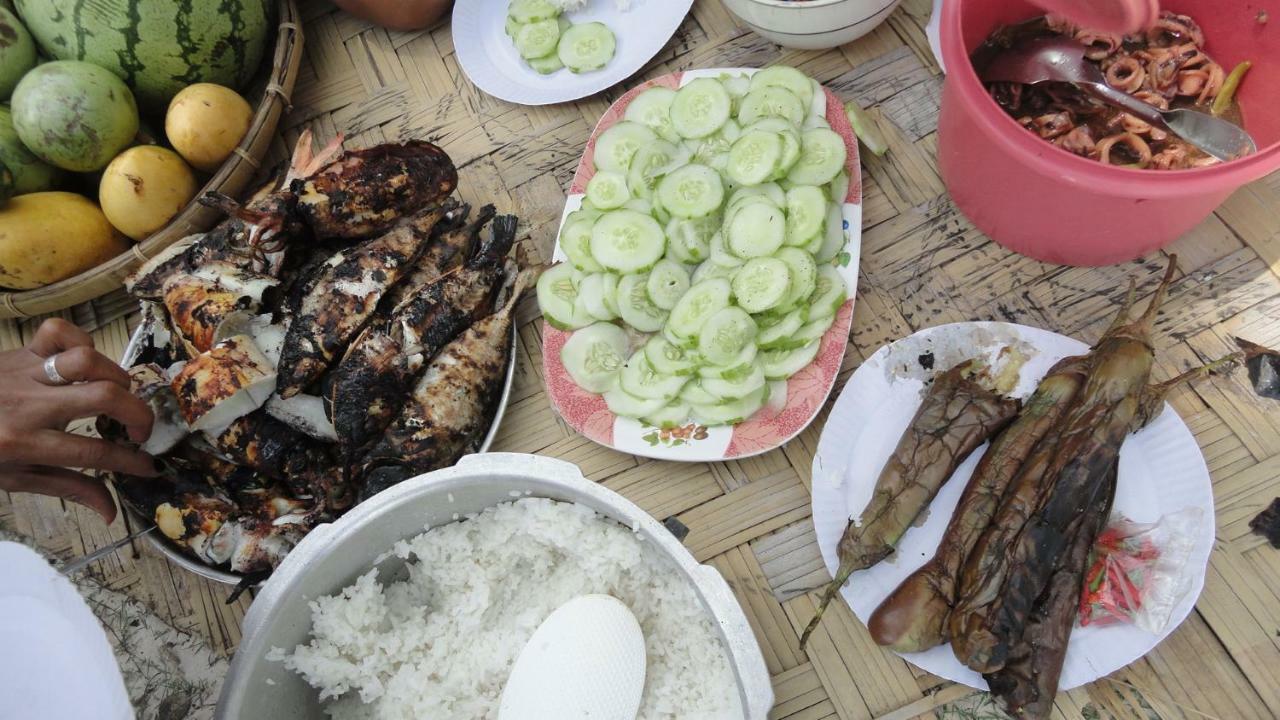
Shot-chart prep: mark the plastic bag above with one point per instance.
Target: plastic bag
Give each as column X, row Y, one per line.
column 1138, row 571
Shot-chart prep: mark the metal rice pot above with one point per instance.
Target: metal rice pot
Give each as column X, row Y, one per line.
column 334, row 555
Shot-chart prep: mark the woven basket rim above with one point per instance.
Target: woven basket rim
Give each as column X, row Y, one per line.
column 231, row 179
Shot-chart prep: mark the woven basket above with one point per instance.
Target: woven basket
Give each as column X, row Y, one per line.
column 231, row 179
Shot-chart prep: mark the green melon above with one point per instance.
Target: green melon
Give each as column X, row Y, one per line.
column 17, row 52
column 157, row 47
column 30, row 173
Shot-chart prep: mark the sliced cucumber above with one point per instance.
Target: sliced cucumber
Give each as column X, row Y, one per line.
column 806, row 213
column 700, row 108
column 772, row 101
column 512, row 27
column 671, row 416
column 736, row 85
column 692, row 191
column 768, row 190
column 811, row 332
column 741, row 365
column 608, row 190
column 711, row 271
column 756, row 230
column 653, row 108
column 782, row 364
column 625, row 404
column 609, row 292
column 761, row 284
column 725, row 334
column 668, row 282
column 648, row 165
column 754, row 157
column 721, row 256
column 786, row 77
column 689, row 240
column 594, row 291
column 575, row 241
column 815, row 121
column 594, row 355
column 779, row 333
column 558, row 298
column 537, row 39
column 546, row 65
column 737, row 386
column 668, row 358
column 833, row 239
column 527, row 11
column 703, row 300
column 639, row 379
column 586, row 46
column 626, row 241
column 839, row 188
column 790, row 155
column 634, row 305
column 866, row 128
column 640, row 205
column 695, row 394
column 618, row 145
column 804, row 274
column 829, row 294
column 729, row 413
column 822, row 157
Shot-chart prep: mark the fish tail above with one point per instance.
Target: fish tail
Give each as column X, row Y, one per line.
column 833, row 588
column 502, row 235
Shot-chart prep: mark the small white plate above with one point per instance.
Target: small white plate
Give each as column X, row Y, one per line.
column 1161, row 471
column 490, row 59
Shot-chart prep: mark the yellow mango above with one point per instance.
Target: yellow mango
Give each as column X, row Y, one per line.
column 205, row 123
column 50, row 236
column 143, row 188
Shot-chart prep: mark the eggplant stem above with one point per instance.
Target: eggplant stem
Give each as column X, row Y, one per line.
column 1127, row 307
column 829, row 594
column 1148, row 318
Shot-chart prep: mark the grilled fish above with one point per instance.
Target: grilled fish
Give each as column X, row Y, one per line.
column 374, row 378
column 344, row 296
column 449, row 407
column 364, row 192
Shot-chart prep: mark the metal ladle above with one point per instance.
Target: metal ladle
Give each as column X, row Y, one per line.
column 1062, row 60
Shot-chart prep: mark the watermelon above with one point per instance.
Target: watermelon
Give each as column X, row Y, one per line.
column 157, row 47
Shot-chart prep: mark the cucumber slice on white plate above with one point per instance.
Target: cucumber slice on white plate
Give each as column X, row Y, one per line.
column 721, row 256
column 833, row 237
column 736, row 85
column 780, row 331
column 734, row 369
column 526, row 11
column 712, row 271
column 558, row 298
column 689, row 240
column 596, row 290
column 672, row 416
column 736, row 385
column 829, row 295
column 575, row 241
column 512, row 27
column 700, row 108
column 804, row 274
column 616, row 146
column 640, row 205
column 608, row 190
column 626, row 241
column 586, row 47
column 839, row 188
column 537, row 39
column 728, row 413
column 639, row 379
column 756, row 230
column 653, row 109
column 692, row 191
column 806, row 213
column 782, row 364
column 594, row 355
column 624, row 404
column 693, row 309
column 787, row 77
column 695, row 394
column 725, row 334
column 546, row 65
column 815, row 121
column 772, row 101
column 772, row 191
column 668, row 358
column 761, row 284
column 668, row 282
column 754, row 157
column 822, row 157
column 634, row 306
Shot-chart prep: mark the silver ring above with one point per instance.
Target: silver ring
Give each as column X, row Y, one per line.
column 51, row 371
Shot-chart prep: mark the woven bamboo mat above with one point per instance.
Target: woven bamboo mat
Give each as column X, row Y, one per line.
column 923, row 265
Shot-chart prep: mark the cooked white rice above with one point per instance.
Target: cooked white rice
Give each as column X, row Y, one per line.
column 441, row 643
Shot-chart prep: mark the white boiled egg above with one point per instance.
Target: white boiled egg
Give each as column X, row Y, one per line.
column 585, row 662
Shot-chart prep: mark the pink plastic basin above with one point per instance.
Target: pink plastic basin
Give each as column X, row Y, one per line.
column 1041, row 201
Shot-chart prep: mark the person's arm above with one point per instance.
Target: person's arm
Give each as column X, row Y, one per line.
column 58, row 378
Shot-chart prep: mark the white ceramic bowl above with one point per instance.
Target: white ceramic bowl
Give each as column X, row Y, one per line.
column 812, row 24
column 332, row 556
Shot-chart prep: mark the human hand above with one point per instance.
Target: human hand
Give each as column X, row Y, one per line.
column 35, row 449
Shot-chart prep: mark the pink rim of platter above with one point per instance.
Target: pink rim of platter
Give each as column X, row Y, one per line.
column 806, row 391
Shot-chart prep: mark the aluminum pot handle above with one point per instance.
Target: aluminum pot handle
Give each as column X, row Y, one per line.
column 748, row 660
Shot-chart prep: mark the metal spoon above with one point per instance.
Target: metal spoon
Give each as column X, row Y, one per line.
column 1062, row 60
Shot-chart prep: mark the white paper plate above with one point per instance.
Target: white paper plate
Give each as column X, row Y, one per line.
column 490, row 59
column 1161, row 471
